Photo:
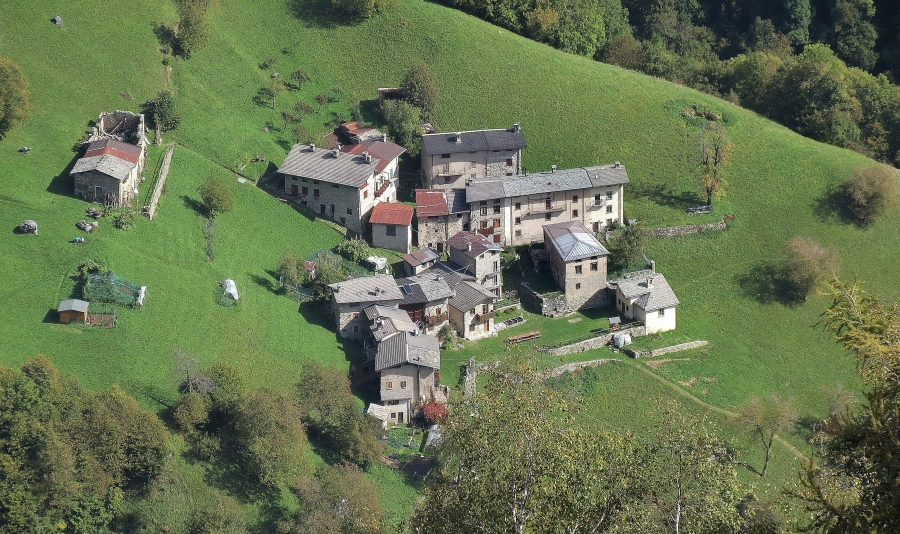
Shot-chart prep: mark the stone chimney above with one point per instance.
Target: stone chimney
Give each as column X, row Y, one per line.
column 552, row 168
column 458, row 139
column 384, row 138
column 652, row 266
column 517, row 127
column 617, row 165
column 650, row 282
column 312, row 147
column 335, row 152
column 469, row 246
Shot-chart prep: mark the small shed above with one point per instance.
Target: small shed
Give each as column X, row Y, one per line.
column 72, row 310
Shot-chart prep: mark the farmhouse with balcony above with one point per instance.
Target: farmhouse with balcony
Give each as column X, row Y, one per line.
column 351, row 297
column 449, row 160
column 512, row 211
column 479, row 256
column 578, row 264
column 409, row 364
column 420, row 260
column 472, row 311
column 646, row 296
column 392, row 226
column 440, row 213
column 344, row 183
column 425, row 299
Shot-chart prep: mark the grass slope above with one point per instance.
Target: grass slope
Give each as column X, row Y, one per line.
column 574, row 112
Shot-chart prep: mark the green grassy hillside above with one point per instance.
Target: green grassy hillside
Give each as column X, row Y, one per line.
column 574, row 112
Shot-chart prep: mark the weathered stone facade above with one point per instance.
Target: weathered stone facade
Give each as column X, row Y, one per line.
column 557, row 304
column 665, row 350
column 434, row 232
column 351, row 321
column 405, row 387
column 583, row 281
column 95, row 186
column 454, row 170
column 477, row 323
column 346, row 205
column 485, row 267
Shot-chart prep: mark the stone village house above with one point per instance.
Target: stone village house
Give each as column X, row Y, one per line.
column 110, row 170
column 344, row 183
column 350, row 297
column 440, row 213
column 450, row 160
column 478, row 256
column 425, row 299
column 646, row 296
column 578, row 264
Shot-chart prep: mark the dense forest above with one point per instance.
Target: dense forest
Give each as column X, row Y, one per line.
column 824, row 68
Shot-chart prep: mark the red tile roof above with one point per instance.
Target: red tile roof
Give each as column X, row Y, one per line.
column 431, row 203
column 129, row 153
column 355, row 128
column 480, row 243
column 391, row 213
column 383, row 151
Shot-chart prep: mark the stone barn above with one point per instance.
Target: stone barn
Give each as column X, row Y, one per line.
column 109, row 172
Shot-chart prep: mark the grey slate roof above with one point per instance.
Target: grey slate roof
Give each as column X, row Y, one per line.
column 107, row 164
column 452, row 273
column 547, row 182
column 456, row 201
column 73, row 305
column 469, row 294
column 388, row 321
column 473, row 141
column 380, row 287
column 634, row 286
column 480, row 243
column 424, row 288
column 404, row 347
column 421, row 256
column 321, row 164
column 572, row 241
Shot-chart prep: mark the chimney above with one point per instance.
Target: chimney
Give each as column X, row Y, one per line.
column 469, row 246
column 458, row 138
column 650, row 282
column 312, row 147
column 652, row 266
column 517, row 127
column 384, row 138
column 552, row 168
column 617, row 165
column 368, row 157
column 335, row 152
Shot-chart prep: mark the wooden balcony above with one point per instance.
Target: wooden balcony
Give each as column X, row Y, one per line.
column 382, row 188
column 437, row 319
column 537, row 209
column 485, row 316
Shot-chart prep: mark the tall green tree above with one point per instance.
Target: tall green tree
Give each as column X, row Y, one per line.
column 420, row 89
column 165, row 114
column 854, row 32
column 715, row 150
column 216, row 196
column 193, row 29
column 404, row 122
column 15, row 99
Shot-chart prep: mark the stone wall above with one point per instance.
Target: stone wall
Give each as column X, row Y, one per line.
column 664, row 350
column 686, row 229
column 556, row 304
column 577, row 366
column 594, row 342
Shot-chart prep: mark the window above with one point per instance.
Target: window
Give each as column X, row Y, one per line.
column 598, row 200
column 608, row 222
column 548, row 203
column 343, row 220
column 574, row 198
column 393, row 415
column 437, row 310
column 304, row 190
column 355, row 329
column 484, row 210
column 349, row 211
column 445, row 156
column 304, row 179
column 484, row 308
column 391, row 230
column 293, row 178
column 336, row 186
column 459, row 215
column 483, row 203
column 446, row 168
column 518, row 220
column 496, row 223
column 496, row 209
column 574, row 213
column 447, row 179
column 316, row 192
column 332, row 210
column 518, row 233
column 315, row 182
column 509, row 174
column 578, row 269
column 496, row 266
column 518, row 205
column 466, row 227
column 662, row 313
column 471, row 328
column 403, row 384
column 608, row 209
column 365, row 194
column 322, row 208
column 594, row 266
column 547, row 217
column 509, row 162
column 484, row 224
column 473, row 176
column 473, row 165
column 609, row 195
column 578, row 285
column 388, row 385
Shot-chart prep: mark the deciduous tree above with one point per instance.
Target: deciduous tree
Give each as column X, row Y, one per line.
column 216, row 196
column 321, row 100
column 300, row 77
column 714, row 156
column 15, row 99
column 420, row 89
column 806, row 263
column 871, row 191
column 404, row 122
column 193, row 29
column 765, row 418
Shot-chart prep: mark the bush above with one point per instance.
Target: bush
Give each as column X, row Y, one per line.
column 871, row 191
column 123, row 217
column 806, row 264
column 404, row 123
column 291, row 270
column 420, row 89
column 629, row 247
column 434, row 412
column 15, row 101
column 216, row 196
column 354, row 249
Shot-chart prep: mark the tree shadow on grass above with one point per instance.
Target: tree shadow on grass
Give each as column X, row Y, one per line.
column 768, row 283
column 319, row 14
column 194, row 205
column 264, row 282
column 834, row 206
column 663, row 196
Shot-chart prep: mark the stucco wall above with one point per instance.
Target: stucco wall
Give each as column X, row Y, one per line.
column 401, row 241
column 342, row 197
column 655, row 323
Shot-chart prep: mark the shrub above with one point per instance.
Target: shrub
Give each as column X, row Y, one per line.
column 807, row 262
column 15, row 101
column 871, row 191
column 216, row 196
column 291, row 270
column 354, row 249
column 420, row 89
column 434, row 412
column 124, row 217
column 404, row 122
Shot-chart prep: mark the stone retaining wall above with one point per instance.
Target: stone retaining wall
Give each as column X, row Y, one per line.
column 665, row 350
column 577, row 366
column 687, row 229
column 594, row 342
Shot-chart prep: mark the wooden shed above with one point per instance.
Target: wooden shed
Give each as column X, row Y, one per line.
column 72, row 310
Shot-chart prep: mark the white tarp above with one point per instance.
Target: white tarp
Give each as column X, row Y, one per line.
column 620, row 340
column 378, row 262
column 230, row 289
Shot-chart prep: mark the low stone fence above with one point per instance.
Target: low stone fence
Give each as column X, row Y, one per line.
column 665, row 350
column 687, row 229
column 595, row 342
column 577, row 366
column 160, row 182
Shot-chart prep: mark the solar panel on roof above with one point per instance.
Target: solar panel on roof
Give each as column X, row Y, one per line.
column 406, row 289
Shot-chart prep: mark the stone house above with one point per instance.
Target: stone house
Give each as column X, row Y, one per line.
column 409, row 365
column 392, row 226
column 351, row 297
column 513, row 211
column 578, row 264
column 479, row 256
column 472, row 310
column 425, row 299
column 355, row 133
column 345, row 183
column 450, row 160
column 109, row 172
column 440, row 213
column 420, row 260
column 646, row 296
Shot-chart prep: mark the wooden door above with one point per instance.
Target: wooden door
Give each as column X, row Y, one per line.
column 487, row 325
column 400, row 417
column 294, row 191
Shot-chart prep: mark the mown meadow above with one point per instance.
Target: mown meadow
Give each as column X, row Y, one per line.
column 574, row 112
